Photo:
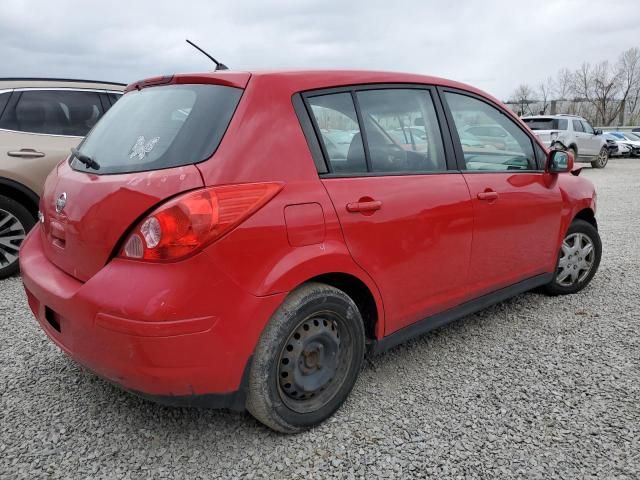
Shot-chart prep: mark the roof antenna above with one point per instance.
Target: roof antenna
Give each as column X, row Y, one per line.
column 219, row 66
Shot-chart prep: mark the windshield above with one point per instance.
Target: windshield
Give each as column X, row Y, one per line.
column 546, row 123
column 160, row 127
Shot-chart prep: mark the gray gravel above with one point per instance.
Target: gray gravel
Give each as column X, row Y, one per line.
column 535, row 387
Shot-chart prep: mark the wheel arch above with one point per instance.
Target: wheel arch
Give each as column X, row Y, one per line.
column 21, row 194
column 588, row 215
column 362, row 296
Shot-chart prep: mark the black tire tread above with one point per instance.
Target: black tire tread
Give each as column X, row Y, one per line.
column 259, row 401
column 580, row 226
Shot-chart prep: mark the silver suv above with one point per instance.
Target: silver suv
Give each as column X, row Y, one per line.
column 40, row 120
column 572, row 133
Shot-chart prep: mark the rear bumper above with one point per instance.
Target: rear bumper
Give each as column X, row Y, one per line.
column 179, row 333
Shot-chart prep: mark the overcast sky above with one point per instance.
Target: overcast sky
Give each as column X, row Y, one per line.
column 492, row 44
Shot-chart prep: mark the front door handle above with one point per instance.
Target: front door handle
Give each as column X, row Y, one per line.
column 26, row 153
column 489, row 195
column 368, row 206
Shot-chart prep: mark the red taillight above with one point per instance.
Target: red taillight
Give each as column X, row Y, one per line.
column 191, row 221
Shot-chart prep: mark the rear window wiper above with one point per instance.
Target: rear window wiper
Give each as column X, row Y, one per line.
column 85, row 159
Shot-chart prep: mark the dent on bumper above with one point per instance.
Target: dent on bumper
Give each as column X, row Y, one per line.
column 180, row 333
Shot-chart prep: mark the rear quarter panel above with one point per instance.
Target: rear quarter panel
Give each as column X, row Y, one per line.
column 259, row 257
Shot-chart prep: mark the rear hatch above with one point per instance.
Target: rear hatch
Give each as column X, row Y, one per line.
column 146, row 148
column 546, row 129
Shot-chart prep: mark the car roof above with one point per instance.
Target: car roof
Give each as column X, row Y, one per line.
column 32, row 82
column 303, row 80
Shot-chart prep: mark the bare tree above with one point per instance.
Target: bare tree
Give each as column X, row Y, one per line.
column 599, row 85
column 563, row 84
column 545, row 90
column 601, row 92
column 629, row 71
column 523, row 98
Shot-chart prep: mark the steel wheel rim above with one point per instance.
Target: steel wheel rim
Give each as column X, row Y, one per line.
column 12, row 233
column 577, row 256
column 314, row 362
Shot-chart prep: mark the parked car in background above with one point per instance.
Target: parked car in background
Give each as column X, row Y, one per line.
column 40, row 120
column 612, row 146
column 571, row 133
column 490, row 135
column 630, row 139
column 622, row 149
column 205, row 247
column 636, row 130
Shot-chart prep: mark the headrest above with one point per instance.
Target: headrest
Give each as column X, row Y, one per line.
column 30, row 114
column 80, row 112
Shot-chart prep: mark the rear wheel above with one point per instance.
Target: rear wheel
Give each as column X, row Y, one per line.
column 602, row 160
column 307, row 359
column 578, row 260
column 15, row 222
column 573, row 152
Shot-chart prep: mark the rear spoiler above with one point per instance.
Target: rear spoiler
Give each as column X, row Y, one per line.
column 226, row 78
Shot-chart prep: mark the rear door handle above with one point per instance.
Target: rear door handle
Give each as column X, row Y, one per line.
column 490, row 195
column 26, row 153
column 364, row 207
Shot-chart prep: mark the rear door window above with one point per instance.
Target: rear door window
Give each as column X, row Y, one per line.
column 335, row 117
column 402, row 131
column 4, row 99
column 114, row 97
column 160, row 127
column 53, row 112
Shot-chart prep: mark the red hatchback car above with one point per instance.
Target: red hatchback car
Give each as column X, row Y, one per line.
column 240, row 240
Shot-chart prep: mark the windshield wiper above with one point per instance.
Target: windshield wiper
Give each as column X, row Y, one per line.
column 85, row 159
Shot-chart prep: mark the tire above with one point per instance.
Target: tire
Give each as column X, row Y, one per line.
column 602, row 160
column 574, row 152
column 15, row 223
column 291, row 388
column 585, row 266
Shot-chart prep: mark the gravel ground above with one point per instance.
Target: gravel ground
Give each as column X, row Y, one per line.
column 535, row 387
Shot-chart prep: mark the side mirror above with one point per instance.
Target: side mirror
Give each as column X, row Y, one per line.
column 559, row 161
column 597, row 131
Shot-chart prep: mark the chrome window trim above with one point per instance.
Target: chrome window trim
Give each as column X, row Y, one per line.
column 41, row 134
column 65, row 89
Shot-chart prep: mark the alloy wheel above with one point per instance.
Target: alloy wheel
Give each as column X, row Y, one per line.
column 577, row 256
column 603, row 158
column 12, row 233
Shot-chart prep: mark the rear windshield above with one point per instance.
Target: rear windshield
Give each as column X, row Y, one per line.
column 546, row 123
column 160, row 127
